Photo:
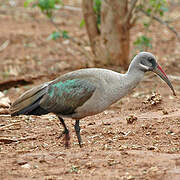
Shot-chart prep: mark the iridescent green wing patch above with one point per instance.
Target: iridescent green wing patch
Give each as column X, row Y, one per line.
column 65, row 97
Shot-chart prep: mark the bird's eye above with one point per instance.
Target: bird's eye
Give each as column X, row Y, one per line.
column 151, row 60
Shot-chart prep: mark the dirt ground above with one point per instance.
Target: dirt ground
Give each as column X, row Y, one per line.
column 148, row 148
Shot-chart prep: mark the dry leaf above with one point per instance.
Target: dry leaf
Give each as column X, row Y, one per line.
column 154, row 99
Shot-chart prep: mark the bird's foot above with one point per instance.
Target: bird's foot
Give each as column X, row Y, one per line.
column 66, row 138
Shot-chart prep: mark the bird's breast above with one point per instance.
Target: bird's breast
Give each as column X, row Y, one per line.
column 106, row 93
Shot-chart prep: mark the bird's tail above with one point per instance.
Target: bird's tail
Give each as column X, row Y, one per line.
column 28, row 103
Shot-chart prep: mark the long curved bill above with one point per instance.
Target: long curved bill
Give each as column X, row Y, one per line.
column 158, row 70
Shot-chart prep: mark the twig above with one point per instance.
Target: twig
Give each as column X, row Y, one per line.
column 27, row 138
column 2, row 127
column 4, row 45
column 133, row 21
column 9, row 125
column 8, row 141
column 161, row 22
column 5, row 115
column 129, row 14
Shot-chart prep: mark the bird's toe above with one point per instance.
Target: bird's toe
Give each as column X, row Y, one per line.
column 66, row 138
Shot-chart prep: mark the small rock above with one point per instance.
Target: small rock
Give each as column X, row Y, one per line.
column 89, row 165
column 154, row 99
column 131, row 119
column 122, row 138
column 4, row 101
column 148, row 133
column 91, row 123
column 164, row 112
column 130, row 177
column 106, row 123
column 170, row 132
column 27, row 166
column 151, row 148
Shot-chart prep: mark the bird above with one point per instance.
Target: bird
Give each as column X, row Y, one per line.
column 85, row 92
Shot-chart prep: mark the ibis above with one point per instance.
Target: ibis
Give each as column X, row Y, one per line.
column 85, row 92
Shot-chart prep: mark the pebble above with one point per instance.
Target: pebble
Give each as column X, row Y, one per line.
column 27, row 166
column 151, row 148
column 164, row 112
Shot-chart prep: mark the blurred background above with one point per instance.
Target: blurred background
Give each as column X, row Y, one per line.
column 47, row 37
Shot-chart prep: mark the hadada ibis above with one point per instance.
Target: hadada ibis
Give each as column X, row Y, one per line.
column 85, row 92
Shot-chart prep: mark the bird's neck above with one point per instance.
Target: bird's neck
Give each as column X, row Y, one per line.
column 123, row 84
column 132, row 78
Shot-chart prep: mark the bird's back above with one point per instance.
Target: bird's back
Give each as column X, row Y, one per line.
column 75, row 82
column 67, row 94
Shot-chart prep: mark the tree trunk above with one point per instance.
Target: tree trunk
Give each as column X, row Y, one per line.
column 113, row 44
column 115, row 31
column 90, row 22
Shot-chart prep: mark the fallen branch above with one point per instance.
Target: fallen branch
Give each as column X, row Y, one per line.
column 7, row 140
column 14, row 82
column 27, row 138
column 18, row 81
column 162, row 22
column 11, row 140
column 9, row 125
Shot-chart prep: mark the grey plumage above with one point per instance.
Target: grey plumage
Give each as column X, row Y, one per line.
column 85, row 92
column 64, row 97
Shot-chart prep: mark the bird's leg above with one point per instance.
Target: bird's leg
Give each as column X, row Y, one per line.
column 77, row 129
column 65, row 132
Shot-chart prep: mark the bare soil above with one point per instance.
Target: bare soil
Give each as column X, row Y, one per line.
column 136, row 138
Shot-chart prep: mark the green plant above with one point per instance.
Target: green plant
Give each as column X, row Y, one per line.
column 149, row 7
column 73, row 169
column 57, row 34
column 143, row 43
column 47, row 7
column 97, row 10
column 157, row 6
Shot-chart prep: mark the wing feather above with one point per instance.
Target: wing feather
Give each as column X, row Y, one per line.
column 28, row 98
column 65, row 97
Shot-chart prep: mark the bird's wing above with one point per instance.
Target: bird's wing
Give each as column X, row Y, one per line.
column 63, row 97
column 28, row 98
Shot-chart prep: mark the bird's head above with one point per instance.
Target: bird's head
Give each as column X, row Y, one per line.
column 145, row 61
